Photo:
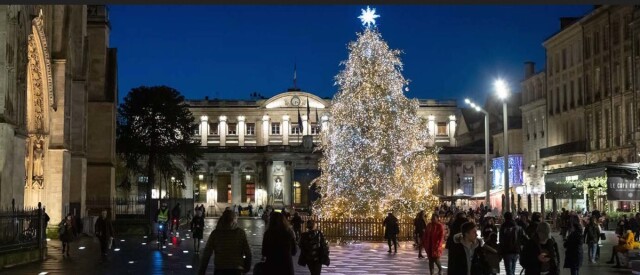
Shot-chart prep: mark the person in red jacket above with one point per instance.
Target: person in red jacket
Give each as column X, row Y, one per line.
column 432, row 241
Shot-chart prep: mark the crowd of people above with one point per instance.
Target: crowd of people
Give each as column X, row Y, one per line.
column 282, row 239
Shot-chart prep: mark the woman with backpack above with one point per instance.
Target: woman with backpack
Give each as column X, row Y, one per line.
column 314, row 250
column 540, row 254
column 66, row 233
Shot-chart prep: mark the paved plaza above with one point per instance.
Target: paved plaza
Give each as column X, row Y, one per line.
column 139, row 255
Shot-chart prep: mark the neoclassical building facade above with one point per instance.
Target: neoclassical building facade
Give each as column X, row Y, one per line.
column 263, row 150
column 57, row 107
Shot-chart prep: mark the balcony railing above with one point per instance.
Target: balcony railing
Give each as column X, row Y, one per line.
column 567, row 148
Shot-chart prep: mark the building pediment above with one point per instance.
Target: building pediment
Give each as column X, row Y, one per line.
column 295, row 99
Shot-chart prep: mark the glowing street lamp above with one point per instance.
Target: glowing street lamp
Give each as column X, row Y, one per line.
column 487, row 200
column 502, row 91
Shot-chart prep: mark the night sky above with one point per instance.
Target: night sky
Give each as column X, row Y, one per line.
column 221, row 51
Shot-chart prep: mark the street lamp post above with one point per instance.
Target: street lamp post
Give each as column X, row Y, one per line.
column 503, row 92
column 487, row 182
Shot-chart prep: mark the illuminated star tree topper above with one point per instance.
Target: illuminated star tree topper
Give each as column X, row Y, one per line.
column 368, row 17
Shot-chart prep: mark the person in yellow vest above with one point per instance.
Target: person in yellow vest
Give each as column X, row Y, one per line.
column 162, row 217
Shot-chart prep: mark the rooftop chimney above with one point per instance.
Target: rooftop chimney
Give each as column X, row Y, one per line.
column 529, row 69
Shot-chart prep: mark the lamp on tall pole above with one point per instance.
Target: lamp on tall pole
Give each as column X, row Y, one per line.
column 487, row 181
column 503, row 93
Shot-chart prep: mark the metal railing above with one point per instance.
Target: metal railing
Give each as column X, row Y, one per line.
column 21, row 228
column 371, row 229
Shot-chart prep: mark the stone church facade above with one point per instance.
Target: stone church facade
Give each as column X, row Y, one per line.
column 58, row 97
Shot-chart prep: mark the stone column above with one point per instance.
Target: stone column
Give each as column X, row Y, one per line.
column 285, row 129
column 287, row 183
column 452, row 130
column 431, row 125
column 241, row 130
column 222, row 130
column 305, row 125
column 236, row 197
column 265, row 130
column 269, row 182
column 204, row 130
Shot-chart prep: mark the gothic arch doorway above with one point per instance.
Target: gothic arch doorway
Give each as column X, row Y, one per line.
column 40, row 101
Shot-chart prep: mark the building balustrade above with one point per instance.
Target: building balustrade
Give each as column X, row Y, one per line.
column 566, row 148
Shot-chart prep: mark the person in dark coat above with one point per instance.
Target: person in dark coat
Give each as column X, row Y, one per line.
column 175, row 217
column 532, row 228
column 391, row 231
column 454, row 227
column 229, row 244
column 540, row 253
column 197, row 227
column 313, row 248
column 465, row 253
column 419, row 226
column 278, row 245
column 489, row 227
column 296, row 221
column 591, row 238
column 573, row 246
column 66, row 232
column 104, row 231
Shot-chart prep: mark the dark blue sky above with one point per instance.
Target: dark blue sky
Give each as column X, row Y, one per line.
column 450, row 52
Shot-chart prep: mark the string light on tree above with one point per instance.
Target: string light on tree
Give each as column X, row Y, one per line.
column 375, row 154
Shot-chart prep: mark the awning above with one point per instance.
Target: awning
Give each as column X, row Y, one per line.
column 622, row 180
column 483, row 193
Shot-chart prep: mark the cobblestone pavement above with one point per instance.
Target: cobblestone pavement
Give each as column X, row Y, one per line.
column 139, row 255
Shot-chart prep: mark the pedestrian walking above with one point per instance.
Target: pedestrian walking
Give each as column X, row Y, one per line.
column 229, row 242
column 66, row 233
column 511, row 238
column 489, row 227
column 573, row 246
column 591, row 238
column 419, row 226
column 492, row 254
column 432, row 241
column 175, row 217
column 314, row 250
column 391, row 231
column 104, row 232
column 197, row 228
column 454, row 227
column 278, row 245
column 467, row 246
column 540, row 254
column 296, row 221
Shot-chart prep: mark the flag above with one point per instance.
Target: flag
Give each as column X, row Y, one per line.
column 299, row 121
column 308, row 110
column 317, row 117
column 295, row 76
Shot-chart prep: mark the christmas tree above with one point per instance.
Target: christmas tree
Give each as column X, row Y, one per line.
column 375, row 155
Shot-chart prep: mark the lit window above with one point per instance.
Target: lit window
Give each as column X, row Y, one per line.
column 251, row 129
column 232, row 129
column 442, row 129
column 297, row 193
column 213, row 129
column 295, row 129
column 275, row 128
column 467, row 185
column 315, row 129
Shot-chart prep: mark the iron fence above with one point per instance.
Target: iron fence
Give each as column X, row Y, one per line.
column 22, row 228
column 371, row 229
